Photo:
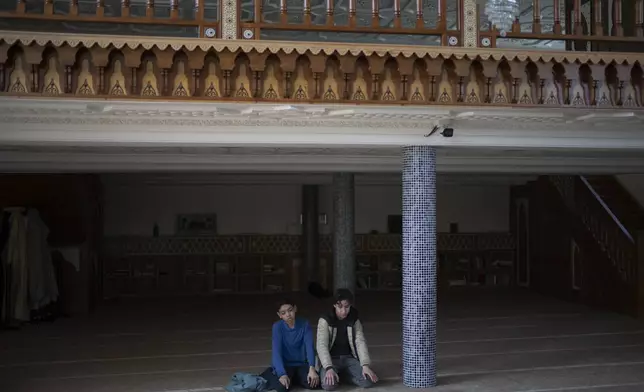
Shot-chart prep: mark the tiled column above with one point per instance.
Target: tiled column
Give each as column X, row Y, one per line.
column 310, row 233
column 344, row 261
column 419, row 266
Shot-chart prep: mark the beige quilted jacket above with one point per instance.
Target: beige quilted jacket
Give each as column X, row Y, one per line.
column 326, row 337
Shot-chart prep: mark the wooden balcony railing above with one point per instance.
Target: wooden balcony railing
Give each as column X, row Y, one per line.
column 425, row 22
column 579, row 25
column 176, row 18
column 574, row 25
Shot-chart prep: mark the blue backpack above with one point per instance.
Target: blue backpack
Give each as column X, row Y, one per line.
column 246, row 382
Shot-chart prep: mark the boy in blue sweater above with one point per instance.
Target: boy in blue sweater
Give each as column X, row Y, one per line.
column 293, row 355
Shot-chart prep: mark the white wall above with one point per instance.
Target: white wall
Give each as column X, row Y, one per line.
column 634, row 183
column 133, row 209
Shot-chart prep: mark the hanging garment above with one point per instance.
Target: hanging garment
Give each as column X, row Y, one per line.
column 15, row 262
column 4, row 280
column 43, row 288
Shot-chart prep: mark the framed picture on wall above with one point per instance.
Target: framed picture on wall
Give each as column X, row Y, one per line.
column 196, row 224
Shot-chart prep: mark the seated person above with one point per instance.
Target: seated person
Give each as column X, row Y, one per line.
column 293, row 356
column 342, row 347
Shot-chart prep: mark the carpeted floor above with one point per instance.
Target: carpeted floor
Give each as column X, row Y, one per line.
column 489, row 340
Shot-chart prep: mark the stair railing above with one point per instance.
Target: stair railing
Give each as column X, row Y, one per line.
column 611, row 235
column 608, row 210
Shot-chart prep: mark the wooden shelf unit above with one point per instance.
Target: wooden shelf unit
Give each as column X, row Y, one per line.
column 266, row 264
column 379, row 271
column 196, row 274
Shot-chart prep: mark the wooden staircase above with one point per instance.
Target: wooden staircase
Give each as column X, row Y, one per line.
column 606, row 220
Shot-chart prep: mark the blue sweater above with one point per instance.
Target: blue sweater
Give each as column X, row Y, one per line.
column 292, row 346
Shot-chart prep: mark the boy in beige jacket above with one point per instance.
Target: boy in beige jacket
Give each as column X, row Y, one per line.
column 342, row 347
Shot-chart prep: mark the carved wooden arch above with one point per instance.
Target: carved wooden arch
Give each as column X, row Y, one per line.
column 149, row 68
column 211, row 76
column 332, row 85
column 273, row 84
column 87, row 86
column 118, row 78
column 362, row 87
column 243, row 84
column 180, row 72
column 304, row 83
column 390, row 81
column 419, row 82
column 16, row 65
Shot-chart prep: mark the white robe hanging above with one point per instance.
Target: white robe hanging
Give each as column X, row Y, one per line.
column 43, row 288
column 15, row 262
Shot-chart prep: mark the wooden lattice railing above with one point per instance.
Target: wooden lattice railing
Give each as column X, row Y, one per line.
column 430, row 22
column 581, row 25
column 178, row 18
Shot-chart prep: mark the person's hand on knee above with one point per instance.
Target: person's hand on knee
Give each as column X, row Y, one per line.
column 369, row 374
column 313, row 378
column 331, row 377
column 284, row 380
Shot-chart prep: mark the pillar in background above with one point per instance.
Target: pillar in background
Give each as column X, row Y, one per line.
column 310, row 233
column 419, row 266
column 344, row 252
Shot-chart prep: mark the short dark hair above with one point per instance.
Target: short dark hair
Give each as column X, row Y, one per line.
column 343, row 295
column 284, row 301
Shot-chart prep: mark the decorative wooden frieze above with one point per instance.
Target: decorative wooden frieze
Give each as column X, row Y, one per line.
column 290, row 72
column 626, row 91
column 600, row 92
column 522, row 91
column 577, row 90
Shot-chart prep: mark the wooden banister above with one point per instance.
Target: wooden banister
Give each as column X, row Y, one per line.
column 397, row 20
column 536, row 17
column 620, row 249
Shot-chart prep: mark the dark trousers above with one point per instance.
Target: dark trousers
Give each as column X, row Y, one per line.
column 297, row 374
column 349, row 370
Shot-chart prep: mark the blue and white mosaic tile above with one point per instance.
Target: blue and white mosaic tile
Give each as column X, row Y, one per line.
column 419, row 266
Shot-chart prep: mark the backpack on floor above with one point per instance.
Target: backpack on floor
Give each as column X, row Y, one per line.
column 246, row 382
